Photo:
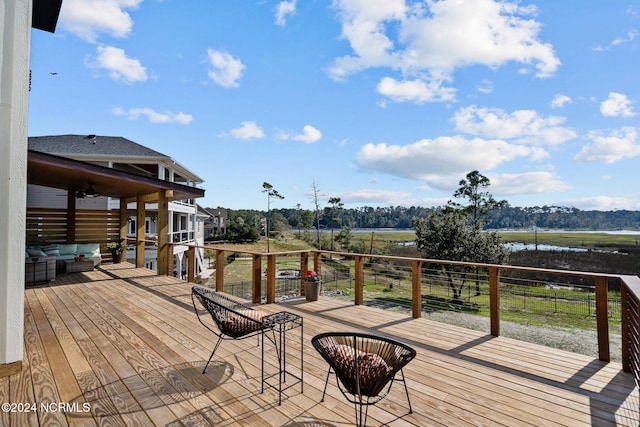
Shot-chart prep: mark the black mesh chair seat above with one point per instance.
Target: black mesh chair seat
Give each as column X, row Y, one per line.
column 233, row 319
column 365, row 366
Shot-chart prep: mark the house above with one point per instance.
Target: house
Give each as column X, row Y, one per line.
column 216, row 221
column 186, row 220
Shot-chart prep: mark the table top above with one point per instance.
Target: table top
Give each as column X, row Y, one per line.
column 35, row 260
column 286, row 318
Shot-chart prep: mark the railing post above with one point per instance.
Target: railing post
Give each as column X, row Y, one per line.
column 625, row 312
column 170, row 260
column 304, row 267
column 416, row 288
column 494, row 300
column 602, row 318
column 317, row 264
column 191, row 264
column 140, row 244
column 219, row 270
column 271, row 278
column 256, row 279
column 359, row 285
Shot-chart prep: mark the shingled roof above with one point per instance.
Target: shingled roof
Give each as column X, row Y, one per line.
column 91, row 145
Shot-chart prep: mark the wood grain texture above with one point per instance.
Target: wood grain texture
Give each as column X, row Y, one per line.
column 127, row 342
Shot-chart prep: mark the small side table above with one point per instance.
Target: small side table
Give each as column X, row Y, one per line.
column 279, row 323
column 35, row 262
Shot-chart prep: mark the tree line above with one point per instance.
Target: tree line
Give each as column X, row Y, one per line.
column 504, row 217
column 248, row 224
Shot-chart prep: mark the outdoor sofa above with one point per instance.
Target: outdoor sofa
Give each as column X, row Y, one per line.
column 66, row 252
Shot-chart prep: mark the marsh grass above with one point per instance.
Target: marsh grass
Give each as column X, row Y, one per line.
column 387, row 284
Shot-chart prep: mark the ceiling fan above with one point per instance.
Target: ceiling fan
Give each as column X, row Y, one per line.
column 87, row 192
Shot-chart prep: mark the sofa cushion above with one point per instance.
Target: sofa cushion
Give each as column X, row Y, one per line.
column 68, row 249
column 88, row 248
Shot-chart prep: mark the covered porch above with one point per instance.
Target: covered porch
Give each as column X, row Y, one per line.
column 102, row 226
column 123, row 345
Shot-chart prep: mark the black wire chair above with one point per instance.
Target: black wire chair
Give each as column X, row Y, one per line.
column 365, row 367
column 234, row 320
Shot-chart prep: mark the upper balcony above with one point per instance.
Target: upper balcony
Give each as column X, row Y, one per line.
column 126, row 343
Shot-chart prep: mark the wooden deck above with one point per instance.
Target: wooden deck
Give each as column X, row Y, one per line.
column 121, row 346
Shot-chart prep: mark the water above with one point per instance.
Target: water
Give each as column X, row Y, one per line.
column 515, row 247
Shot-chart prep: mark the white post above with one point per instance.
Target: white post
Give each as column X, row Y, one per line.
column 15, row 41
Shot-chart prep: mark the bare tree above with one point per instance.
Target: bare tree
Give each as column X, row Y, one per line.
column 315, row 195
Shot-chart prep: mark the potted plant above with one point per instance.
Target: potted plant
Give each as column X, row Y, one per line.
column 117, row 250
column 312, row 284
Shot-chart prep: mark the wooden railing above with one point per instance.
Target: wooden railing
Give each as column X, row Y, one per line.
column 630, row 291
column 631, row 326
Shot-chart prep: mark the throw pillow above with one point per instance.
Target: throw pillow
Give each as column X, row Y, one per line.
column 51, row 250
column 355, row 365
column 36, row 253
column 239, row 325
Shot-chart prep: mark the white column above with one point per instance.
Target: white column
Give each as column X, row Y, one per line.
column 15, row 40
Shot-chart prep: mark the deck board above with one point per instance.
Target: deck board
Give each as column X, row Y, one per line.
column 127, row 343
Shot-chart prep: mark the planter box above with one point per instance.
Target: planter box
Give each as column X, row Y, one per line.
column 312, row 290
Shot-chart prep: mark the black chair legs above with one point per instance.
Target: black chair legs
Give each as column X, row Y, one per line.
column 325, row 385
column 212, row 353
column 406, row 391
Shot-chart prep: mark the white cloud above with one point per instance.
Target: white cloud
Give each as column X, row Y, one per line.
column 118, row 65
column 560, row 101
column 486, row 87
column 247, row 131
column 153, row 116
column 617, row 105
column 225, row 70
column 309, row 135
column 526, row 183
column 89, row 18
column 631, row 35
column 618, row 145
column 521, row 126
column 418, row 91
column 436, row 38
column 441, row 161
column 374, row 196
column 283, row 9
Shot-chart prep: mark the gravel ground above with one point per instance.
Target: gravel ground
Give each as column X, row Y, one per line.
column 575, row 340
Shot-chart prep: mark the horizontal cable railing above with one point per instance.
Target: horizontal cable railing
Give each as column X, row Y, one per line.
column 426, row 284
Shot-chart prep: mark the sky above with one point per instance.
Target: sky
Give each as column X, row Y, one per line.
column 380, row 103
